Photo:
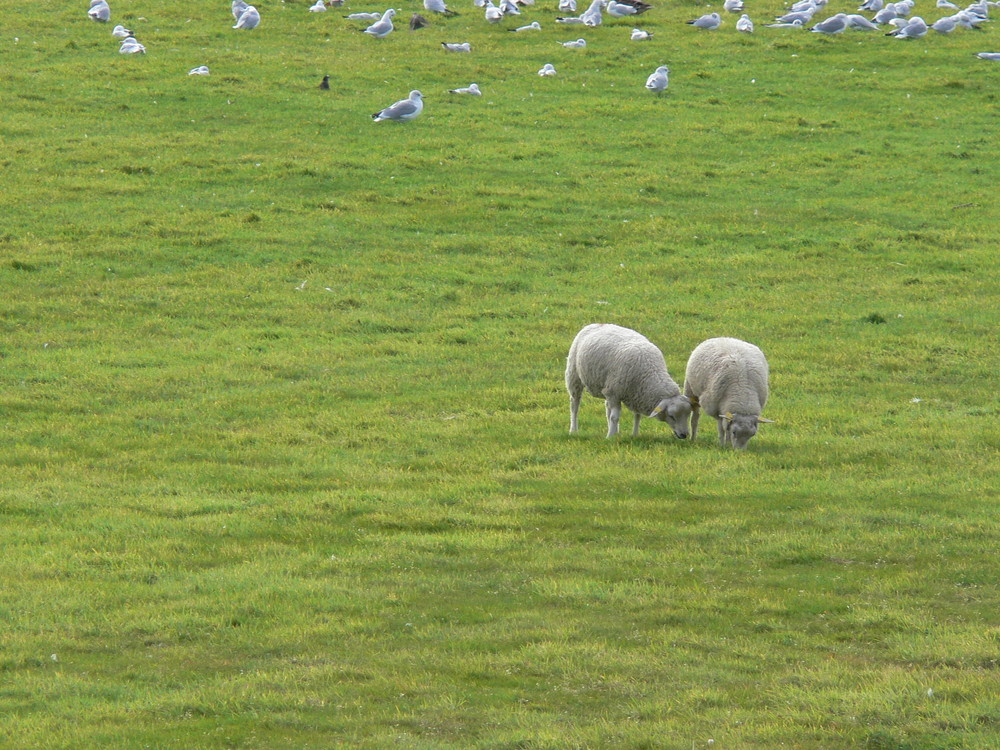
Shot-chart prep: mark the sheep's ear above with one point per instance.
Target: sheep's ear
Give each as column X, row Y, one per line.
column 768, row 421
column 659, row 408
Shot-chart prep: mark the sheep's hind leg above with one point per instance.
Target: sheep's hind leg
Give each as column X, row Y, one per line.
column 575, row 394
column 635, row 426
column 614, row 411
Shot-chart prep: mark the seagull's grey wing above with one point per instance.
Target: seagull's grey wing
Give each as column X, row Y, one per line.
column 399, row 109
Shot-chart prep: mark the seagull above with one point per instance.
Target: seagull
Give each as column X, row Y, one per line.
column 404, row 110
column 249, row 18
column 592, row 16
column 733, row 6
column 872, row 5
column 509, row 8
column 325, row 83
column 417, row 21
column 492, row 13
column 805, row 16
column 945, row 25
column 970, row 20
column 130, row 46
column 620, row 10
column 201, row 70
column 99, row 11
column 914, row 29
column 745, row 24
column 575, row 44
column 383, row 27
column 709, row 22
column 472, row 88
column 456, row 47
column 120, row 32
column 238, row 7
column 533, row 25
column 438, row 6
column 796, row 24
column 318, row 7
column 548, row 69
column 947, row 4
column 832, row 25
column 567, row 6
column 363, row 16
column 855, row 21
column 638, row 35
column 994, row 56
column 886, row 14
column 658, row 80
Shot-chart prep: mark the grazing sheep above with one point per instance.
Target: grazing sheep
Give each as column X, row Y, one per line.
column 728, row 379
column 623, row 367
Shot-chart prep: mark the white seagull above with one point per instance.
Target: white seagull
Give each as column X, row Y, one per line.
column 796, row 24
column 575, row 44
column 856, row 21
column 709, row 22
column 120, row 32
column 658, row 79
column 832, row 25
column 733, row 6
column 404, row 110
column 201, row 70
column 620, row 10
column 438, row 6
column 638, row 35
column 99, row 11
column 994, row 56
column 363, row 16
column 238, row 7
column 492, row 13
column 130, row 47
column 745, row 25
column 549, row 70
column 567, row 6
column 945, row 25
column 249, row 19
column 915, row 28
column 534, row 25
column 318, row 7
column 472, row 88
column 456, row 47
column 382, row 27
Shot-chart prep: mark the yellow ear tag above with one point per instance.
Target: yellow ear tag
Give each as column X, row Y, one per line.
column 656, row 411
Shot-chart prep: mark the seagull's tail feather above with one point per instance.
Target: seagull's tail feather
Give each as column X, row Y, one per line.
column 449, row 13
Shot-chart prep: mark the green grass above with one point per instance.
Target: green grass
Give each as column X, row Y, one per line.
column 285, row 456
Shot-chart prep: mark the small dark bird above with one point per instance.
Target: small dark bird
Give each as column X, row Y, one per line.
column 417, row 21
column 325, row 83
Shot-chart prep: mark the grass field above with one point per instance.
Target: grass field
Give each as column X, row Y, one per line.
column 285, row 459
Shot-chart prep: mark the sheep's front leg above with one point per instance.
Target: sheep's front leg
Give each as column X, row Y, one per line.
column 635, row 426
column 722, row 431
column 614, row 410
column 695, row 413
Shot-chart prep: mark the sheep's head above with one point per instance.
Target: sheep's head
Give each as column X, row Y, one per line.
column 739, row 428
column 676, row 412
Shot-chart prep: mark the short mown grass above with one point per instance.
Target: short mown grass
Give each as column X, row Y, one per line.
column 285, row 456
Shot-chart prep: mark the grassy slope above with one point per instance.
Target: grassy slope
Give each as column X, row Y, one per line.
column 246, row 512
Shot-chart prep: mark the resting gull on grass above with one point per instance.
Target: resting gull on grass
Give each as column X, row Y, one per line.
column 404, row 110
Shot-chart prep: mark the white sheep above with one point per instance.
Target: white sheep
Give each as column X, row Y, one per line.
column 728, row 379
column 623, row 367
